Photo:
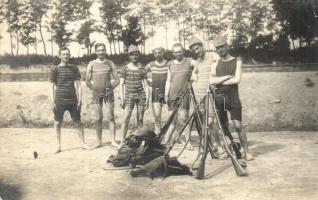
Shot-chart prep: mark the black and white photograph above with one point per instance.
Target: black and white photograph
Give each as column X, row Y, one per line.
column 158, row 99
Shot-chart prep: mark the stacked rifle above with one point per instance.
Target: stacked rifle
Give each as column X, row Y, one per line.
column 201, row 120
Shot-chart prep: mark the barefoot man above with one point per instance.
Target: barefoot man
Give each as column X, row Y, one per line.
column 98, row 79
column 67, row 96
column 179, row 74
column 225, row 78
column 134, row 89
column 158, row 70
column 202, row 72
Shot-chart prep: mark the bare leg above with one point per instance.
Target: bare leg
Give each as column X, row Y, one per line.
column 171, row 128
column 140, row 115
column 184, row 114
column 243, row 139
column 57, row 127
column 157, row 109
column 80, row 132
column 216, row 139
column 99, row 124
column 124, row 126
column 112, row 124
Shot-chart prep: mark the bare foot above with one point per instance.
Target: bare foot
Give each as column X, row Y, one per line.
column 58, row 150
column 85, row 146
column 223, row 155
column 120, row 145
column 249, row 157
column 98, row 145
column 190, row 147
column 114, row 144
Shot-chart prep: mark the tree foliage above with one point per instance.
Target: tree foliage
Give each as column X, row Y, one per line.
column 299, row 19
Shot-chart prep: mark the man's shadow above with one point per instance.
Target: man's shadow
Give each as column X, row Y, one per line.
column 260, row 148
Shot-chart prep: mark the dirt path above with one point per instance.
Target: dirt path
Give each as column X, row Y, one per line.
column 281, row 170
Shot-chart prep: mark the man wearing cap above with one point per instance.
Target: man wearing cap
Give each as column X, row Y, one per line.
column 201, row 73
column 134, row 89
column 98, row 79
column 225, row 76
column 158, row 70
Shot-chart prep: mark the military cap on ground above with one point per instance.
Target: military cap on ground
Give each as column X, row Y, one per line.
column 133, row 48
column 144, row 131
column 194, row 40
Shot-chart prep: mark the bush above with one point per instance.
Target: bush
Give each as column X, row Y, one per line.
column 24, row 60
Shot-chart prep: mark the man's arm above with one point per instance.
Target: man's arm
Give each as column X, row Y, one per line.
column 149, row 77
column 53, row 88
column 194, row 76
column 122, row 91
column 238, row 74
column 114, row 83
column 52, row 79
column 168, row 84
column 147, row 90
column 214, row 80
column 89, row 76
column 78, row 88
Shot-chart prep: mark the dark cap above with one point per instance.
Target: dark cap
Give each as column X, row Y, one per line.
column 219, row 41
column 133, row 48
column 194, row 40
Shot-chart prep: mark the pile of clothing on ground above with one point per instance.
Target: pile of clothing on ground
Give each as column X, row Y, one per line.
column 143, row 148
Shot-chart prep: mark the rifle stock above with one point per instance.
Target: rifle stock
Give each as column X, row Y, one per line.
column 201, row 170
column 239, row 166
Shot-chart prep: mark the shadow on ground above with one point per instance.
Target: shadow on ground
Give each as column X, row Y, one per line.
column 264, row 148
column 10, row 192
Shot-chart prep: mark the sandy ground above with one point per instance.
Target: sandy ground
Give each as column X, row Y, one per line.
column 270, row 101
column 285, row 167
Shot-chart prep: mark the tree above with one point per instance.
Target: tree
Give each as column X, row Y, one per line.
column 298, row 19
column 28, row 25
column 40, row 8
column 67, row 11
column 11, row 11
column 83, row 36
column 109, row 14
column 132, row 33
column 166, row 11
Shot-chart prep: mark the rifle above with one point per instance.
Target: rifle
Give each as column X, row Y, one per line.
column 185, row 125
column 198, row 123
column 163, row 159
column 200, row 172
column 239, row 166
column 165, row 127
column 197, row 120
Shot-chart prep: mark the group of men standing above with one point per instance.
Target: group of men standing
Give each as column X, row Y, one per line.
column 160, row 79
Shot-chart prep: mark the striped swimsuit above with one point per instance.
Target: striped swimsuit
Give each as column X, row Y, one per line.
column 134, row 89
column 159, row 78
column 64, row 77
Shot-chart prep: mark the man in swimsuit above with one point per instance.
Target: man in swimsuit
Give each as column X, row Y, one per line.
column 67, row 96
column 201, row 75
column 158, row 70
column 98, row 79
column 179, row 74
column 134, row 89
column 225, row 78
